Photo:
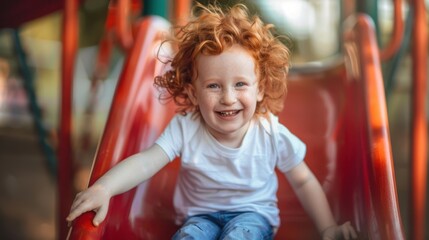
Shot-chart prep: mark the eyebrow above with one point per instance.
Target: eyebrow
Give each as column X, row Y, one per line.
column 241, row 77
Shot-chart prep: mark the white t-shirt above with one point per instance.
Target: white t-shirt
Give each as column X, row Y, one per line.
column 216, row 178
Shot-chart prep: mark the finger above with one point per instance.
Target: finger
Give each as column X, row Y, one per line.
column 329, row 233
column 85, row 206
column 345, row 232
column 100, row 215
column 73, row 214
column 353, row 232
column 76, row 204
column 77, row 200
column 348, row 231
column 71, row 217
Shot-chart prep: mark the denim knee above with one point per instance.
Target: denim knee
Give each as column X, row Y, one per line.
column 250, row 225
column 196, row 228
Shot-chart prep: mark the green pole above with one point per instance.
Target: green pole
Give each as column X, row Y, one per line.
column 370, row 7
column 28, row 77
column 155, row 7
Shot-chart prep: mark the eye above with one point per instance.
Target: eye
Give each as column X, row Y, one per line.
column 213, row 85
column 240, row 84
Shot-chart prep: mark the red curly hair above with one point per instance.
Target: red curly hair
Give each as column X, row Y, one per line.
column 210, row 32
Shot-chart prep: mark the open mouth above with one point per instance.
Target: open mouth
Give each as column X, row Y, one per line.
column 228, row 113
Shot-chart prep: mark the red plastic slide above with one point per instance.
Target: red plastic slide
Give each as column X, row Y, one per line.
column 338, row 110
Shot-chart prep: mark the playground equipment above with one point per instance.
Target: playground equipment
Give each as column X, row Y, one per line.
column 348, row 145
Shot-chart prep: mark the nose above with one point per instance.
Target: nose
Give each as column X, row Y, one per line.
column 229, row 97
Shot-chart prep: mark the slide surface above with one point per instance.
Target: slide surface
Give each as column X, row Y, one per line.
column 339, row 111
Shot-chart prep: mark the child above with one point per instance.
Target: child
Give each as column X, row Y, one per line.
column 228, row 79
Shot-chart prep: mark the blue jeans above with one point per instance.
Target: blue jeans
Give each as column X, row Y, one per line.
column 226, row 225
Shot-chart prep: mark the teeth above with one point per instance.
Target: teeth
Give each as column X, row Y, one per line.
column 230, row 113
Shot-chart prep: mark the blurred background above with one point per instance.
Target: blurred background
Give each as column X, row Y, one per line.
column 30, row 96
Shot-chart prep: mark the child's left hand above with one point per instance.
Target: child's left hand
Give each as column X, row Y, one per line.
column 345, row 231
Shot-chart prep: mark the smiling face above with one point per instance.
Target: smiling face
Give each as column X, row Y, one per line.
column 226, row 93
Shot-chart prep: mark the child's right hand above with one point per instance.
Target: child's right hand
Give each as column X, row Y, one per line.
column 96, row 198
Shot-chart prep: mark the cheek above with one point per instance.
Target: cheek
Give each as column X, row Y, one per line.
column 251, row 97
column 207, row 99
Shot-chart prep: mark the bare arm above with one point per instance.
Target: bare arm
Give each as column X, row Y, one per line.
column 314, row 201
column 127, row 174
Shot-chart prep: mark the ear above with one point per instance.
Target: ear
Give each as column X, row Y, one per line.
column 260, row 96
column 190, row 91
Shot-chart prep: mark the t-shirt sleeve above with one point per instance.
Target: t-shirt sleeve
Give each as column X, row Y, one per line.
column 291, row 150
column 171, row 140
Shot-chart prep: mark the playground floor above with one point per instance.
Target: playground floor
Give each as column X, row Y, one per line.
column 28, row 191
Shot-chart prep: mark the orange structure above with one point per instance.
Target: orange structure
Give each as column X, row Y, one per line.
column 419, row 142
column 65, row 153
column 348, row 146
